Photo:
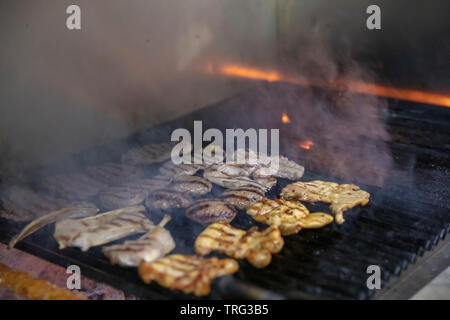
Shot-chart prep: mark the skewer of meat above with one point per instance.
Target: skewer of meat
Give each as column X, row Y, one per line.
column 153, row 245
column 102, row 228
column 74, row 211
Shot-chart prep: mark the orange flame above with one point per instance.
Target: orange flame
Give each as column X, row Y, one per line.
column 285, row 118
column 307, row 144
column 359, row 87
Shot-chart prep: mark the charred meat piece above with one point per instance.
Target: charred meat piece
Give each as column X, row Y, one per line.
column 165, row 199
column 257, row 247
column 148, row 154
column 76, row 210
column 242, row 197
column 341, row 196
column 102, row 228
column 191, row 184
column 122, row 196
column 280, row 213
column 73, row 186
column 114, row 173
column 22, row 204
column 231, row 182
column 210, row 210
column 153, row 245
column 191, row 274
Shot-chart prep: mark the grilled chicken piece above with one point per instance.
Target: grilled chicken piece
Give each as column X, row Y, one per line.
column 148, row 154
column 22, row 204
column 191, row 274
column 153, row 245
column 122, row 196
column 191, row 184
column 115, row 173
column 169, row 169
column 257, row 247
column 210, row 210
column 73, row 186
column 280, row 213
column 76, row 210
column 242, row 197
column 230, row 182
column 102, row 228
column 341, row 196
column 165, row 199
column 316, row 220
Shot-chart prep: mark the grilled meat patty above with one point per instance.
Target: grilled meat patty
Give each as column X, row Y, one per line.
column 341, row 196
column 242, row 197
column 122, row 196
column 210, row 210
column 148, row 154
column 171, row 170
column 114, row 173
column 102, row 228
column 22, row 204
column 73, row 186
column 166, row 199
column 257, row 247
column 191, row 274
column 153, row 245
column 191, row 184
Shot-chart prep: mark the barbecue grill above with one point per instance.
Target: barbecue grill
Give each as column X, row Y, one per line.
column 408, row 216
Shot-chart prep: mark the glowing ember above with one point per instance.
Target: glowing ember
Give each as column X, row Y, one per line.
column 285, row 118
column 360, row 87
column 307, row 144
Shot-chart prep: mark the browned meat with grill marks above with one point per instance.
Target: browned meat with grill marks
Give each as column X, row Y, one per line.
column 22, row 204
column 148, row 154
column 171, row 170
column 287, row 169
column 122, row 196
column 72, row 211
column 191, row 184
column 257, row 247
column 165, row 199
column 231, row 182
column 210, row 210
column 341, row 196
column 191, row 274
column 242, row 197
column 114, row 173
column 153, row 245
column 73, row 186
column 103, row 228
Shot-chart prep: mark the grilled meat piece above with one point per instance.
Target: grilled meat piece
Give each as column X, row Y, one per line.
column 242, row 197
column 257, row 247
column 341, row 196
column 153, row 245
column 114, row 173
column 165, row 199
column 287, row 169
column 76, row 210
column 280, row 213
column 148, row 184
column 231, row 182
column 102, row 228
column 169, row 169
column 122, row 196
column 29, row 287
column 210, row 210
column 148, row 154
column 22, row 204
column 191, row 184
column 316, row 220
column 191, row 274
column 73, row 186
